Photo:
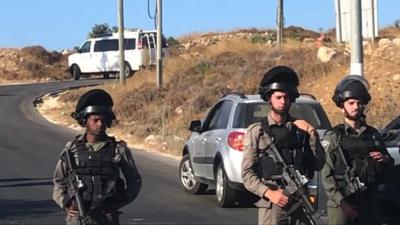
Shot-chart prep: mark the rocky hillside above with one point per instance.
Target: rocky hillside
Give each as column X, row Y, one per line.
column 32, row 63
column 205, row 67
column 266, row 37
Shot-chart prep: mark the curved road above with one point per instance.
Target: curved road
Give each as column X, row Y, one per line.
column 29, row 149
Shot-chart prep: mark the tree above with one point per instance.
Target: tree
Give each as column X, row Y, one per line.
column 172, row 42
column 100, row 29
column 397, row 23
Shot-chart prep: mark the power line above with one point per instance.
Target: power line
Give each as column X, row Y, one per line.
column 148, row 10
column 153, row 17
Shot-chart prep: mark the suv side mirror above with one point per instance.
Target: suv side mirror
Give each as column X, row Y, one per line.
column 195, row 126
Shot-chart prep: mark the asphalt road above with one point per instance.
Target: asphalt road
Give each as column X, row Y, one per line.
column 29, row 149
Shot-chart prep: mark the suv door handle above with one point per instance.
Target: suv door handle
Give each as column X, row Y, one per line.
column 218, row 139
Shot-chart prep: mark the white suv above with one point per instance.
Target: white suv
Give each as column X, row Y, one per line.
column 101, row 54
column 213, row 153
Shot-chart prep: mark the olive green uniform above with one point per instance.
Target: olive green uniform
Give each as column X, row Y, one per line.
column 109, row 213
column 269, row 213
column 365, row 201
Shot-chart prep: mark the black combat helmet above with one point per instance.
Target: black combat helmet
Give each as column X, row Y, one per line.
column 352, row 86
column 279, row 78
column 95, row 101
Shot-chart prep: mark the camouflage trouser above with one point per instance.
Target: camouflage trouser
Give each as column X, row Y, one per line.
column 337, row 217
column 97, row 219
column 276, row 215
column 367, row 204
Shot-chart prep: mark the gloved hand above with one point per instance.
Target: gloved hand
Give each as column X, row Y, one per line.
column 349, row 210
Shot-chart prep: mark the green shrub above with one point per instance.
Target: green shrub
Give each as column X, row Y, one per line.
column 172, row 42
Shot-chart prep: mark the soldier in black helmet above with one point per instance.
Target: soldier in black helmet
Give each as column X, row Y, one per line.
column 96, row 162
column 356, row 159
column 297, row 141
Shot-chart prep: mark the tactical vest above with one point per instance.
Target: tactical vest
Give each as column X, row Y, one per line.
column 356, row 152
column 290, row 143
column 99, row 172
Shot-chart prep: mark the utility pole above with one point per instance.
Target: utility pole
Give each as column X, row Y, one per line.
column 338, row 21
column 121, row 42
column 159, row 45
column 279, row 25
column 374, row 21
column 356, row 66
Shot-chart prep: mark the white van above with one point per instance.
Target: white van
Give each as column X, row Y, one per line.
column 100, row 55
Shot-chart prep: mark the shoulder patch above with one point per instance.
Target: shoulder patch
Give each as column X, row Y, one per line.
column 325, row 144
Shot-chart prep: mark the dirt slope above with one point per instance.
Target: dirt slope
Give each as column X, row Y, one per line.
column 32, row 63
column 201, row 70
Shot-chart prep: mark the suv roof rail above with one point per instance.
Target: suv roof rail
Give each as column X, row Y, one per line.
column 240, row 94
column 306, row 95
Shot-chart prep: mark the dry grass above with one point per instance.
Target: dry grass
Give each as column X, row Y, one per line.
column 189, row 37
column 32, row 63
column 389, row 32
column 195, row 80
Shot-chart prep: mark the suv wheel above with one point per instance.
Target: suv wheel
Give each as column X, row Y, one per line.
column 187, row 180
column 75, row 72
column 226, row 196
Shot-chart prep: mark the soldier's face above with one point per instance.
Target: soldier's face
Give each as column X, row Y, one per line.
column 96, row 124
column 352, row 109
column 280, row 102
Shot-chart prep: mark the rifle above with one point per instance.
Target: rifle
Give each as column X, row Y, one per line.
column 294, row 187
column 352, row 182
column 75, row 185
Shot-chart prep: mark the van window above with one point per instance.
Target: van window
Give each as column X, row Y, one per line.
column 145, row 43
column 106, row 45
column 112, row 45
column 85, row 47
column 130, row 43
column 150, row 39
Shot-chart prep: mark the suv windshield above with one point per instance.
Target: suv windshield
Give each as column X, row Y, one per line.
column 249, row 113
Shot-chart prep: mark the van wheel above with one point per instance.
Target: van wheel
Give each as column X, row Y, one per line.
column 106, row 75
column 75, row 72
column 187, row 180
column 128, row 70
column 226, row 196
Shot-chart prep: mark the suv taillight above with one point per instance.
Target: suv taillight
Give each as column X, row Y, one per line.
column 236, row 140
column 139, row 44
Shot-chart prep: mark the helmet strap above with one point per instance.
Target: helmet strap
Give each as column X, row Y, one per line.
column 280, row 112
column 358, row 116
